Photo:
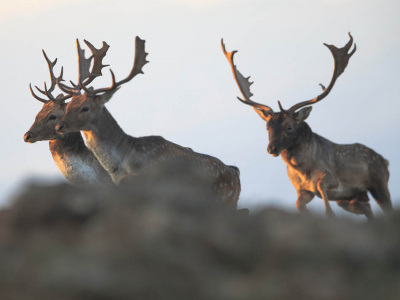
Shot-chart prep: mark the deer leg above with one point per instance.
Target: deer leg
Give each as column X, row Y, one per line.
column 358, row 205
column 382, row 197
column 303, row 197
column 327, row 182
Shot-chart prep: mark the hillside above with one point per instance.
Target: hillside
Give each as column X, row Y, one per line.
column 158, row 240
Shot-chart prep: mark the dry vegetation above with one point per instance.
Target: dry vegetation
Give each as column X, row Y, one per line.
column 162, row 237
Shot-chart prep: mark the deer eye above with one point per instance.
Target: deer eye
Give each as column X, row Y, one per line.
column 289, row 128
column 85, row 108
column 52, row 117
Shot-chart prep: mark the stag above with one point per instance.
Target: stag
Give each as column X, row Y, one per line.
column 77, row 163
column 315, row 165
column 122, row 155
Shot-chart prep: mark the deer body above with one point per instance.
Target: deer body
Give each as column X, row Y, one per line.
column 315, row 165
column 347, row 171
column 124, row 156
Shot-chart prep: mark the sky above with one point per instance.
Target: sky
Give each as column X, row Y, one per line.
column 188, row 95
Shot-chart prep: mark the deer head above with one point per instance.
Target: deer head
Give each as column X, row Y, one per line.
column 51, row 113
column 84, row 108
column 53, row 109
column 287, row 126
column 43, row 129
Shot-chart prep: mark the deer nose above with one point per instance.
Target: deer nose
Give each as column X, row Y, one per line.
column 60, row 126
column 272, row 149
column 28, row 136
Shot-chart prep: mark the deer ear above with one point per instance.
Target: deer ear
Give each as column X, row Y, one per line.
column 105, row 97
column 262, row 114
column 303, row 114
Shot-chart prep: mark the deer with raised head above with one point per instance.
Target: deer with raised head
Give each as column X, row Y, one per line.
column 315, row 165
column 122, row 155
column 75, row 161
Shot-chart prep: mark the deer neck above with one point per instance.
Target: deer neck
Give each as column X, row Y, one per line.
column 108, row 142
column 302, row 149
column 78, row 165
column 70, row 144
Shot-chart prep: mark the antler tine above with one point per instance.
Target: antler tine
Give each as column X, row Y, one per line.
column 44, row 93
column 48, row 94
column 40, row 90
column 59, row 98
column 243, row 83
column 138, row 63
column 341, row 59
column 64, row 88
column 52, row 77
column 37, row 97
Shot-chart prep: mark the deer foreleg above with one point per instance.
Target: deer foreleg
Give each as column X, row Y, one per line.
column 327, row 182
column 303, row 197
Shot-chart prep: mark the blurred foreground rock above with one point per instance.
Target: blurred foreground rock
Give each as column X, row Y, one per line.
column 162, row 237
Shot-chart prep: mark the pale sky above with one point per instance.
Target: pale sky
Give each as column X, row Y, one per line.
column 188, row 95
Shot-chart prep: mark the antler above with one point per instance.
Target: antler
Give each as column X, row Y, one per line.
column 98, row 55
column 139, row 62
column 37, row 97
column 85, row 74
column 84, row 63
column 71, row 91
column 341, row 59
column 244, row 84
column 48, row 92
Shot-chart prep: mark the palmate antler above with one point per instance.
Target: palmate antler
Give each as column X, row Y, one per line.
column 85, row 74
column 85, row 77
column 98, row 55
column 244, row 84
column 139, row 62
column 341, row 59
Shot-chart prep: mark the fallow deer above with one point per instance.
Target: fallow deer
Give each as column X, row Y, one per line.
column 315, row 165
column 123, row 155
column 77, row 163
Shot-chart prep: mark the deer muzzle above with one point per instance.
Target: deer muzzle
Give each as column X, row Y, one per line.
column 28, row 137
column 61, row 127
column 273, row 150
